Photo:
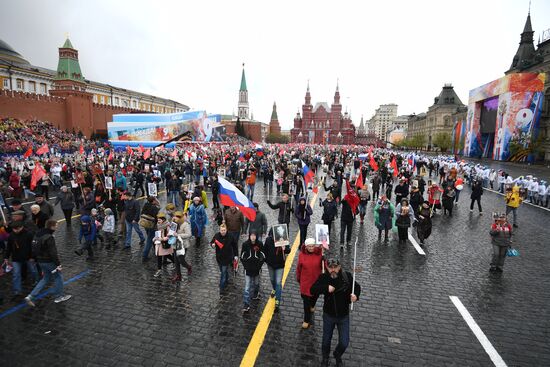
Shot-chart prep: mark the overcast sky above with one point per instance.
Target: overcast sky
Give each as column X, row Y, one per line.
column 192, row 51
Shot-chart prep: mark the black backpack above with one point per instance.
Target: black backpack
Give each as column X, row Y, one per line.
column 37, row 244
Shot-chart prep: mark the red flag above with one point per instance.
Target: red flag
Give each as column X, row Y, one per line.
column 372, row 163
column 43, row 149
column 394, row 166
column 219, row 244
column 110, row 157
column 129, row 150
column 359, row 182
column 174, row 153
column 147, row 154
column 81, row 150
column 352, row 198
column 37, row 173
column 140, row 148
column 28, row 153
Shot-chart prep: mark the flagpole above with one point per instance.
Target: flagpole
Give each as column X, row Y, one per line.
column 354, row 262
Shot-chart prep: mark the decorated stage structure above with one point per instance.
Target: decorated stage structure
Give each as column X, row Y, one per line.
column 150, row 130
column 503, row 119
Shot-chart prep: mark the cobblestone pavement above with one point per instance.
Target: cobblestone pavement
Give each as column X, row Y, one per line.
column 120, row 315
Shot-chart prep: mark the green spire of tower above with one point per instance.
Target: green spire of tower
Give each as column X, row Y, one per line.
column 68, row 67
column 243, row 82
column 274, row 116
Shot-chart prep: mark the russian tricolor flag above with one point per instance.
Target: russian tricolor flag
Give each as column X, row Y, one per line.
column 259, row 150
column 308, row 175
column 231, row 196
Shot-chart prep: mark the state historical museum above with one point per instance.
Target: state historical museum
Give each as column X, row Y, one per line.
column 323, row 124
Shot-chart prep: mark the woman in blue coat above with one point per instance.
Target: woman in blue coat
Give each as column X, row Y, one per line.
column 198, row 219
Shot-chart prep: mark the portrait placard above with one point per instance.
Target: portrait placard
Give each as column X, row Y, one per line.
column 321, row 235
column 108, row 183
column 152, row 188
column 280, row 235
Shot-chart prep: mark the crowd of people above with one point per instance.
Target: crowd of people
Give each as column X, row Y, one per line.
column 103, row 187
column 17, row 136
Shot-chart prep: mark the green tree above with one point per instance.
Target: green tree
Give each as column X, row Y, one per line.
column 276, row 138
column 239, row 128
column 442, row 141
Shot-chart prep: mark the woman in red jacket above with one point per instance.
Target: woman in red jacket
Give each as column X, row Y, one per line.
column 308, row 270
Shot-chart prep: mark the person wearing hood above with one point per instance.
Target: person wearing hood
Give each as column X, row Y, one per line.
column 163, row 248
column 303, row 214
column 330, row 211
column 513, row 201
column 275, row 258
column 424, row 222
column 226, row 251
column 310, row 265
column 259, row 225
column 38, row 217
column 45, row 254
column 66, row 199
column 183, row 234
column 383, row 217
column 252, row 259
column 404, row 218
column 120, row 181
column 87, row 236
column 198, row 219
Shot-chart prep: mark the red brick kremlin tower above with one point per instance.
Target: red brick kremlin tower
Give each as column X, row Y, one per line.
column 274, row 127
column 323, row 124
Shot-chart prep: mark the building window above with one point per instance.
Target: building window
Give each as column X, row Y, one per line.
column 43, row 88
column 32, row 87
column 116, row 101
column 125, row 103
column 134, row 104
column 95, row 98
column 6, row 84
column 102, row 99
column 20, row 84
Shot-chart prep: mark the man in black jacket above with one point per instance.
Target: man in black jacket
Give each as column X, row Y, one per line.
column 133, row 212
column 337, row 286
column 19, row 249
column 285, row 209
column 45, row 253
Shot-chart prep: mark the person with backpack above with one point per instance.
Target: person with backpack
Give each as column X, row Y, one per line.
column 87, row 236
column 45, row 253
column 19, row 248
column 252, row 259
column 340, row 290
column 310, row 265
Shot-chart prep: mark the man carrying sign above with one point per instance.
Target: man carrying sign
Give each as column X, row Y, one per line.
column 226, row 251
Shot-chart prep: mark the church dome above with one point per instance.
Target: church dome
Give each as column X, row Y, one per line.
column 9, row 54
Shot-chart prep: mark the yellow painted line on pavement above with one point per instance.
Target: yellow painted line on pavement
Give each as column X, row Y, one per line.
column 251, row 354
column 78, row 215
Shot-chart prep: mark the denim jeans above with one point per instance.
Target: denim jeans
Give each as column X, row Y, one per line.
column 174, row 197
column 17, row 268
column 250, row 191
column 235, row 236
column 251, row 285
column 129, row 226
column 57, row 277
column 342, row 323
column 148, row 242
column 303, row 233
column 223, row 276
column 276, row 277
column 457, row 195
column 514, row 212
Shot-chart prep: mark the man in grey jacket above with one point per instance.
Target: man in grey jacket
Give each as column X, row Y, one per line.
column 259, row 226
column 66, row 199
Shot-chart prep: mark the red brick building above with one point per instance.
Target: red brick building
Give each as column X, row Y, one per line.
column 64, row 97
column 322, row 124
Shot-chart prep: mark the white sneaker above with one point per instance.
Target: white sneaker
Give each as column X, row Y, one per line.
column 62, row 298
column 158, row 273
column 29, row 301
